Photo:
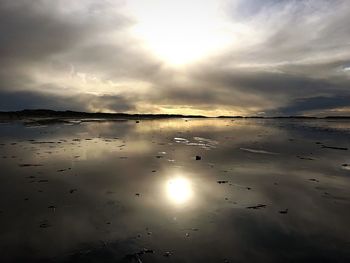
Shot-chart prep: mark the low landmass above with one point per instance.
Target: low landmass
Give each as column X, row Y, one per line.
column 52, row 114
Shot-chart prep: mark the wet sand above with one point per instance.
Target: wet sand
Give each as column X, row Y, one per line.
column 175, row 190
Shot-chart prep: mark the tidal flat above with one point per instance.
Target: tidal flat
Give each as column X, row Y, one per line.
column 175, row 190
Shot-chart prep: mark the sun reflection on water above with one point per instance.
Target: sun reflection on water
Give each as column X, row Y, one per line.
column 179, row 190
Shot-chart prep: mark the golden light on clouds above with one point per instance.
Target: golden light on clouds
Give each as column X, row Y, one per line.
column 177, row 34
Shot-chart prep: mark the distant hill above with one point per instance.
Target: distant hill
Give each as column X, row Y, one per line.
column 284, row 117
column 43, row 113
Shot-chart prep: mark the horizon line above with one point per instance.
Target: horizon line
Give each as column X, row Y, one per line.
column 37, row 111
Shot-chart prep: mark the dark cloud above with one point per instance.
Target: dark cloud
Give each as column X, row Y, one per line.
column 19, row 100
column 315, row 104
column 37, row 29
column 250, row 88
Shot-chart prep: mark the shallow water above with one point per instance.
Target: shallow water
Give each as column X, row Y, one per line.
column 258, row 191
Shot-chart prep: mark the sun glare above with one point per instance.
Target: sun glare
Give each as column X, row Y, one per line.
column 180, row 32
column 179, row 190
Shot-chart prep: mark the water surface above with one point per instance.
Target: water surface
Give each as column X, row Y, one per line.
column 197, row 190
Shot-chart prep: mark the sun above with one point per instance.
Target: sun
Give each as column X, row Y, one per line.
column 180, row 32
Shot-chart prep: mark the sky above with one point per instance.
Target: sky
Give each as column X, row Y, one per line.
column 223, row 57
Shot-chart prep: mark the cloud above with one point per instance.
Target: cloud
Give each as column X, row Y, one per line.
column 288, row 57
column 316, row 104
column 19, row 100
column 42, row 29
